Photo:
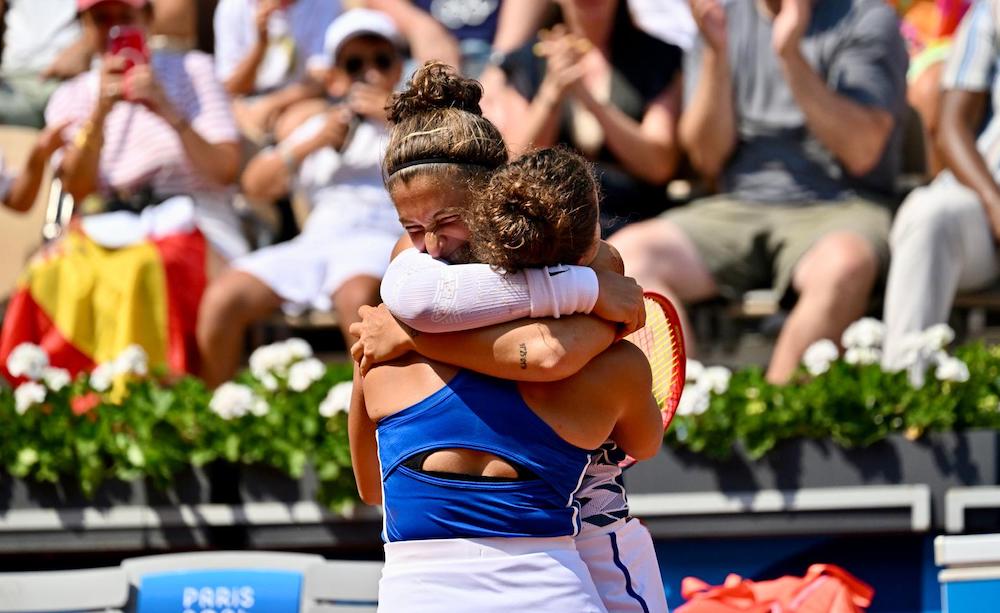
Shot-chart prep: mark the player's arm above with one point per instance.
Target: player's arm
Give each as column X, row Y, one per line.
column 526, row 350
column 364, row 446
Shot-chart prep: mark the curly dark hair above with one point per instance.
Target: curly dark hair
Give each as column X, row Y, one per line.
column 437, row 117
column 539, row 210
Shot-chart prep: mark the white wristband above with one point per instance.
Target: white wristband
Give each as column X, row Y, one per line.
column 561, row 290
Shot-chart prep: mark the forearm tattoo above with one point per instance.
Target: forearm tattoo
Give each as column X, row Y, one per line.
column 523, row 353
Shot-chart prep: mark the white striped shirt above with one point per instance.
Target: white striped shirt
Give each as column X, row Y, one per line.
column 140, row 148
column 973, row 66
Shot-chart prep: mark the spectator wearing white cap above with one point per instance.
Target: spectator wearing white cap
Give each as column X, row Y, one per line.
column 334, row 159
column 262, row 48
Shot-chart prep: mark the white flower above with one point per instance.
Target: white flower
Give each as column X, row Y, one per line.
column 233, row 400
column 27, row 360
column 715, row 379
column 693, row 370
column 269, row 359
column 303, row 374
column 866, row 333
column 28, row 395
column 277, row 357
column 952, row 369
column 298, row 349
column 259, row 407
column 337, row 400
column 819, row 356
column 938, row 336
column 56, row 378
column 102, row 377
column 694, row 400
column 863, row 355
column 913, row 352
column 269, row 381
column 132, row 361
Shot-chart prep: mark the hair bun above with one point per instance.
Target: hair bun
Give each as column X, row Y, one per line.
column 436, row 86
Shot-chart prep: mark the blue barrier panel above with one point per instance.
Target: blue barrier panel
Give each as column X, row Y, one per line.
column 971, row 596
column 220, row 591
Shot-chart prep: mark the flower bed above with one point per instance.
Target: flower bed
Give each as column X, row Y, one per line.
column 849, row 398
column 119, row 423
column 288, row 411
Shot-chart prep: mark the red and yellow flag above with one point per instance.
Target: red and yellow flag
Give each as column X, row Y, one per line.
column 84, row 303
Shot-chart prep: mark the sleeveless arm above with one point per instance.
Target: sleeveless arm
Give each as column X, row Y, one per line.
column 618, row 383
column 364, row 446
column 639, row 430
column 431, row 296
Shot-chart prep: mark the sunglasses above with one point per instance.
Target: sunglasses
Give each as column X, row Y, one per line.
column 354, row 65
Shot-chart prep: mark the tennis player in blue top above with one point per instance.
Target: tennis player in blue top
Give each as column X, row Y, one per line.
column 478, row 474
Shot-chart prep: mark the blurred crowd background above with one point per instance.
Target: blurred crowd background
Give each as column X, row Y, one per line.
column 179, row 173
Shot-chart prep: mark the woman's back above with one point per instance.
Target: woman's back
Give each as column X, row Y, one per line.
column 483, row 457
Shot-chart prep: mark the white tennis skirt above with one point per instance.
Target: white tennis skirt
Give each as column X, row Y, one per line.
column 501, row 575
column 622, row 562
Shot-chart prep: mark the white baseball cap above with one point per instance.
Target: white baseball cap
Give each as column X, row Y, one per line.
column 351, row 24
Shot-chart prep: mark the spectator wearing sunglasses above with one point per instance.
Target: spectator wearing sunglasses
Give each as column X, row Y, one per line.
column 333, row 158
column 262, row 48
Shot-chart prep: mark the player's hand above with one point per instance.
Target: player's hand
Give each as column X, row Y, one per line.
column 619, row 299
column 381, row 338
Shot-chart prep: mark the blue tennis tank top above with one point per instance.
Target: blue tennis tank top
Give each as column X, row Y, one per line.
column 483, row 414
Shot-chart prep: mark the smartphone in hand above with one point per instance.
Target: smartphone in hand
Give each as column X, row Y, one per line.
column 128, row 42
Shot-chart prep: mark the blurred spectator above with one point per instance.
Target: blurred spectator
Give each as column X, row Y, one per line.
column 155, row 132
column 668, row 20
column 42, row 45
column 19, row 191
column 262, row 48
column 944, row 238
column 152, row 152
column 927, row 27
column 463, row 33
column 175, row 23
column 598, row 83
column 793, row 108
column 334, row 158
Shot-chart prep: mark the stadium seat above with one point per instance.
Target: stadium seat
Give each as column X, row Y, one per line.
column 95, row 590
column 271, row 582
column 342, row 586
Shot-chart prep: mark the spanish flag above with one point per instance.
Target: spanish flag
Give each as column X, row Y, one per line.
column 85, row 303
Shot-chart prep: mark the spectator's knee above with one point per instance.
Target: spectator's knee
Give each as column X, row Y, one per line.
column 225, row 300
column 640, row 243
column 843, row 264
column 354, row 293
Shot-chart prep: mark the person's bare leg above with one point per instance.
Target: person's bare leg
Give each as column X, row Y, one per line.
column 231, row 303
column 352, row 295
column 834, row 280
column 661, row 258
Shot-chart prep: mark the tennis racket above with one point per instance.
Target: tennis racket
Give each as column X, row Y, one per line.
column 662, row 340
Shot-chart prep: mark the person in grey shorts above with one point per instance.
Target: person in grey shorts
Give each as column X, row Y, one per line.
column 793, row 109
column 944, row 236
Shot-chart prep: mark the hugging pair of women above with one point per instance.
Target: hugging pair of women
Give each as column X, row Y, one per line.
column 493, row 402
